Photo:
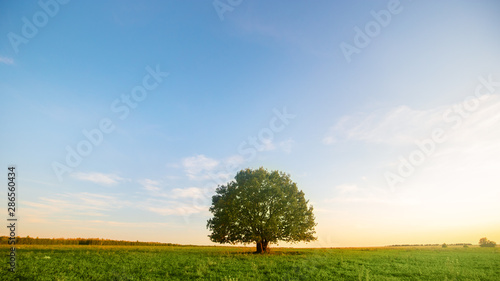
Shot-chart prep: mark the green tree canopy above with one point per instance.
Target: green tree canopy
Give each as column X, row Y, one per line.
column 484, row 242
column 262, row 207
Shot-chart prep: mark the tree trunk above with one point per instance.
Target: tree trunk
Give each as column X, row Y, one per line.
column 262, row 246
column 259, row 247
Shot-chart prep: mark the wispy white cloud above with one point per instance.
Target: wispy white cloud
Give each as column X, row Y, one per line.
column 6, row 60
column 73, row 204
column 468, row 137
column 98, row 225
column 45, row 207
column 200, row 167
column 198, row 164
column 398, row 125
column 180, row 210
column 353, row 193
column 462, row 170
column 267, row 145
column 234, row 160
column 100, row 178
column 190, row 192
column 121, row 223
column 178, row 195
column 85, row 201
column 287, row 145
column 150, row 185
column 347, row 188
column 175, row 207
column 285, row 35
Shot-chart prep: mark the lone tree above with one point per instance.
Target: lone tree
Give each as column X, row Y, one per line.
column 484, row 242
column 262, row 207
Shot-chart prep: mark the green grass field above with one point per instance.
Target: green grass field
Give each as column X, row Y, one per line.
column 36, row 262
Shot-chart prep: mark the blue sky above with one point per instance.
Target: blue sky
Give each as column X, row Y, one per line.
column 188, row 95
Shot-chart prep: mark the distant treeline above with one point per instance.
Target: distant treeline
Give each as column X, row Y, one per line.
column 79, row 241
column 414, row 245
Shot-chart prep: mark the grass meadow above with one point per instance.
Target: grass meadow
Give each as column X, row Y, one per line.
column 59, row 262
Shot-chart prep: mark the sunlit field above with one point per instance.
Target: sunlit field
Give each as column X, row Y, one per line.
column 37, row 262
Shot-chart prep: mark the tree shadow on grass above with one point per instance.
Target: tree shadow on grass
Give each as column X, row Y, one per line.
column 271, row 253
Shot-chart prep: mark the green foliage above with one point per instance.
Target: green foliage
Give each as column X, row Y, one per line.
column 73, row 262
column 260, row 206
column 444, row 245
column 484, row 242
